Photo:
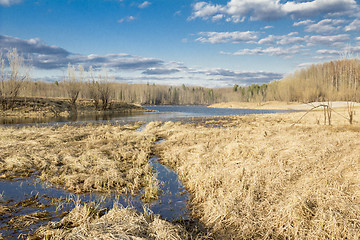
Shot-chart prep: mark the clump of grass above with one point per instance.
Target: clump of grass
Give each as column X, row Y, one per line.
column 266, row 179
column 83, row 159
column 26, row 220
column 85, row 222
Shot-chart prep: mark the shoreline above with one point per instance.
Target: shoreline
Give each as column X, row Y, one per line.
column 61, row 107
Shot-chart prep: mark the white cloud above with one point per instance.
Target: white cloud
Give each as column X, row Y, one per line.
column 225, row 37
column 328, row 51
column 273, row 51
column 305, row 22
column 290, row 38
column 268, row 27
column 328, row 40
column 126, row 19
column 325, row 26
column 8, row 3
column 317, row 7
column 305, row 65
column 205, row 10
column 238, row 10
column 354, row 26
column 144, row 4
column 217, row 17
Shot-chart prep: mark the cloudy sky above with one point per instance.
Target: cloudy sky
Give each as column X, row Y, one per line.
column 215, row 43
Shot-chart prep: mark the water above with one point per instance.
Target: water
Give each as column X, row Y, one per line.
column 164, row 113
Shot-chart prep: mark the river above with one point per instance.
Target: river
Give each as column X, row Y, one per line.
column 164, row 113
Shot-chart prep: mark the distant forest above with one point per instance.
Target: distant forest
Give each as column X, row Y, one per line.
column 335, row 80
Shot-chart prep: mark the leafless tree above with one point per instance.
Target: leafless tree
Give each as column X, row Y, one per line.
column 73, row 83
column 105, row 91
column 93, row 86
column 14, row 71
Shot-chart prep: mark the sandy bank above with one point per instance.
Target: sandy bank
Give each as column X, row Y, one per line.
column 280, row 105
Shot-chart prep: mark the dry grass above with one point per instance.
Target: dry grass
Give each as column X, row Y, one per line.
column 87, row 222
column 263, row 178
column 282, row 105
column 89, row 158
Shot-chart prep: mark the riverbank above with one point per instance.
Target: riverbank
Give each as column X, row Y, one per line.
column 275, row 105
column 61, row 107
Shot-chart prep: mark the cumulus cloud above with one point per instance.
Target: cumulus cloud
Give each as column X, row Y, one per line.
column 239, row 10
column 317, row 7
column 325, row 26
column 160, row 71
column 273, row 51
column 328, row 52
column 242, row 77
column 144, row 4
column 328, row 40
column 225, row 37
column 126, row 19
column 305, row 22
column 354, row 26
column 52, row 57
column 33, row 45
column 268, row 27
column 7, row 3
column 290, row 38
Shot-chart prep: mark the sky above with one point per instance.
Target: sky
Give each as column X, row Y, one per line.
column 215, row 43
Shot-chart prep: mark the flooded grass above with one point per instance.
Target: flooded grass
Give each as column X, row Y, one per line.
column 82, row 159
column 248, row 177
column 47, row 171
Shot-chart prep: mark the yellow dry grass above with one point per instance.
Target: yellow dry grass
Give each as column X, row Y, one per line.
column 278, row 105
column 264, row 178
column 86, row 222
column 89, row 158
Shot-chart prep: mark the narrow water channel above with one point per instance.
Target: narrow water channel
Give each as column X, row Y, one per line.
column 23, row 198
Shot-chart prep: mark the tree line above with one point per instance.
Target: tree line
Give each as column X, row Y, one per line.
column 335, row 80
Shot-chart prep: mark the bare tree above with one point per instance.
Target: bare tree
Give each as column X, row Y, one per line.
column 73, row 83
column 105, row 91
column 12, row 77
column 93, row 86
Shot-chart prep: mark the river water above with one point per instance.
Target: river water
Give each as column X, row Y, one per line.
column 164, row 113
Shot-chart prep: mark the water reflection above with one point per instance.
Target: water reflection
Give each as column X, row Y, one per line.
column 164, row 113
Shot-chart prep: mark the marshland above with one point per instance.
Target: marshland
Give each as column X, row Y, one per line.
column 285, row 175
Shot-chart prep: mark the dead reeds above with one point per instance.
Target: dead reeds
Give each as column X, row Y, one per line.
column 262, row 178
column 100, row 158
column 86, row 222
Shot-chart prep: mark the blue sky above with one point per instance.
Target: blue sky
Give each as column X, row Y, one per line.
column 174, row 42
